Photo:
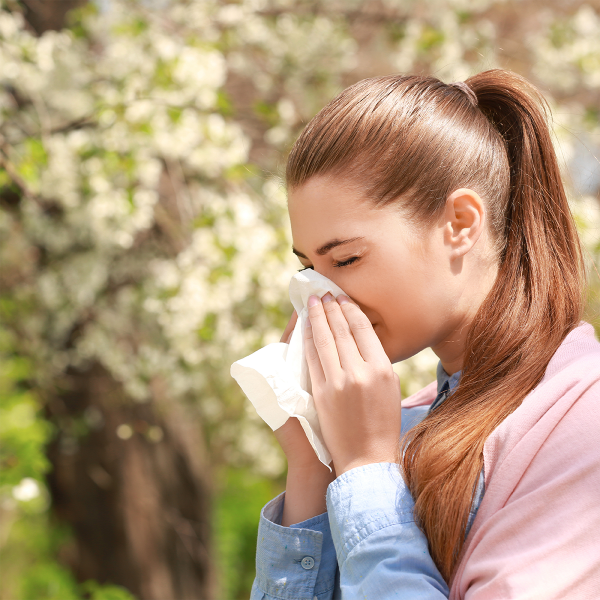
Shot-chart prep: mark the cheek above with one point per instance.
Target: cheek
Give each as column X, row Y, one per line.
column 377, row 292
column 399, row 298
column 367, row 298
column 405, row 319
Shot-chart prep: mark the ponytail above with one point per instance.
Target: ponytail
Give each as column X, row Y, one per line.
column 536, row 300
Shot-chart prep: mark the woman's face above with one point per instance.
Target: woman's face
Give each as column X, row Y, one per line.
column 403, row 277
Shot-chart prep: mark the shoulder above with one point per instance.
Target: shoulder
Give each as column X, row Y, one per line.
column 536, row 529
column 569, row 389
column 554, row 433
column 542, row 480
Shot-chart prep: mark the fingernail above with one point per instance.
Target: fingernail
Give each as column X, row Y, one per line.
column 308, row 323
column 312, row 301
column 343, row 299
column 328, row 297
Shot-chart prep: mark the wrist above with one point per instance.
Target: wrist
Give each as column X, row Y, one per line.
column 312, row 475
column 305, row 495
column 308, row 464
column 344, row 466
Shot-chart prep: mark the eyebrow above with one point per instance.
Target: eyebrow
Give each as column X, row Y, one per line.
column 327, row 247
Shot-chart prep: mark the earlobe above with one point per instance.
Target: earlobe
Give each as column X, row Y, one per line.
column 465, row 217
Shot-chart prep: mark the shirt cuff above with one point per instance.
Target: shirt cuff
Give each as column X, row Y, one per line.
column 364, row 500
column 296, row 562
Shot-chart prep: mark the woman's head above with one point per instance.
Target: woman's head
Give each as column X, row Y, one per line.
column 419, row 286
column 382, row 161
column 467, row 225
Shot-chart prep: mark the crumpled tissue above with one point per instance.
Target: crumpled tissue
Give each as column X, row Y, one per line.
column 276, row 378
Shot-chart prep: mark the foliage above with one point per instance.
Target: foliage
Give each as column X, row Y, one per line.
column 23, row 431
column 30, row 541
column 240, row 497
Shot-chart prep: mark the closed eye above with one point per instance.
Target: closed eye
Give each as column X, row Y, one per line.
column 345, row 263
column 342, row 263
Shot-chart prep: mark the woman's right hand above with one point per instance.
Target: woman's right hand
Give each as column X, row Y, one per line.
column 296, row 447
column 289, row 328
column 290, row 435
column 307, row 477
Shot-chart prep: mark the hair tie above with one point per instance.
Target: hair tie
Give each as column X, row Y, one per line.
column 463, row 87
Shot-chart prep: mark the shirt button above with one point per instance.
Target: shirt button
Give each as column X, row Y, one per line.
column 308, row 562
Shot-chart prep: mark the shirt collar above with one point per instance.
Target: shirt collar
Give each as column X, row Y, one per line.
column 443, row 377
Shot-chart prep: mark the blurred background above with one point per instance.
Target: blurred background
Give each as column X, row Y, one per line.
column 144, row 246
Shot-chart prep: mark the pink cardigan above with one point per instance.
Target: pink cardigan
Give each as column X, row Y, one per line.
column 537, row 531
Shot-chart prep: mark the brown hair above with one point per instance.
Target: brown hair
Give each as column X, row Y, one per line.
column 414, row 140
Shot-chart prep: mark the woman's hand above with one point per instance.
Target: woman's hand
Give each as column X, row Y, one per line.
column 307, row 477
column 356, row 392
column 289, row 328
column 290, row 435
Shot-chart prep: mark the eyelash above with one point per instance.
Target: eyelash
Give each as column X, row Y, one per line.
column 344, row 263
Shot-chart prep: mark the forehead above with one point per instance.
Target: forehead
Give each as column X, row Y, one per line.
column 324, row 208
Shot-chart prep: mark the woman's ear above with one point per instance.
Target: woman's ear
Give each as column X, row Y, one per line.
column 464, row 221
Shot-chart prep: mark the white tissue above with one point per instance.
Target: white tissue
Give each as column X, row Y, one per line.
column 276, row 379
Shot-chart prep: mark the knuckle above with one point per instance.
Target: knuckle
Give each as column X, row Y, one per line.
column 349, row 307
column 322, row 341
column 368, row 378
column 361, row 323
column 311, row 355
column 315, row 310
column 317, row 317
column 384, row 373
column 338, row 385
column 351, row 379
column 341, row 332
column 330, row 307
column 355, row 379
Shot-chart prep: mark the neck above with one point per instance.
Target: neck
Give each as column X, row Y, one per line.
column 451, row 348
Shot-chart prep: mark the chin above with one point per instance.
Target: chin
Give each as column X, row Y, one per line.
column 387, row 347
column 393, row 352
column 396, row 354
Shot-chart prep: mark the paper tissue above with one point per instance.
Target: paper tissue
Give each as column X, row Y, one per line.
column 276, row 379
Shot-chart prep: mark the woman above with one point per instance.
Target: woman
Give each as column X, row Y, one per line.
column 439, row 209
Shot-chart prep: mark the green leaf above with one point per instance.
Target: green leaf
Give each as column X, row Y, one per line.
column 105, row 592
column 174, row 113
column 267, row 111
column 430, row 38
column 224, row 104
column 207, row 331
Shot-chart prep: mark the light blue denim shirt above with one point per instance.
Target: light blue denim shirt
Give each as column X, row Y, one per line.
column 367, row 545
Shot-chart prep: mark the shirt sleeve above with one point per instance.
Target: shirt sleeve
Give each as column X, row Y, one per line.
column 382, row 553
column 293, row 563
column 395, row 560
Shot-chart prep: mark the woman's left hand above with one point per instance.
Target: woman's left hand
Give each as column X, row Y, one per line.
column 356, row 392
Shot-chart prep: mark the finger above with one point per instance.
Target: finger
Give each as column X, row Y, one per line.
column 315, row 368
column 344, row 340
column 323, row 339
column 368, row 343
column 289, row 328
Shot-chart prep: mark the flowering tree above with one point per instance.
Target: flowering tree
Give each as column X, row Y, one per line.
column 145, row 244
column 136, row 255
